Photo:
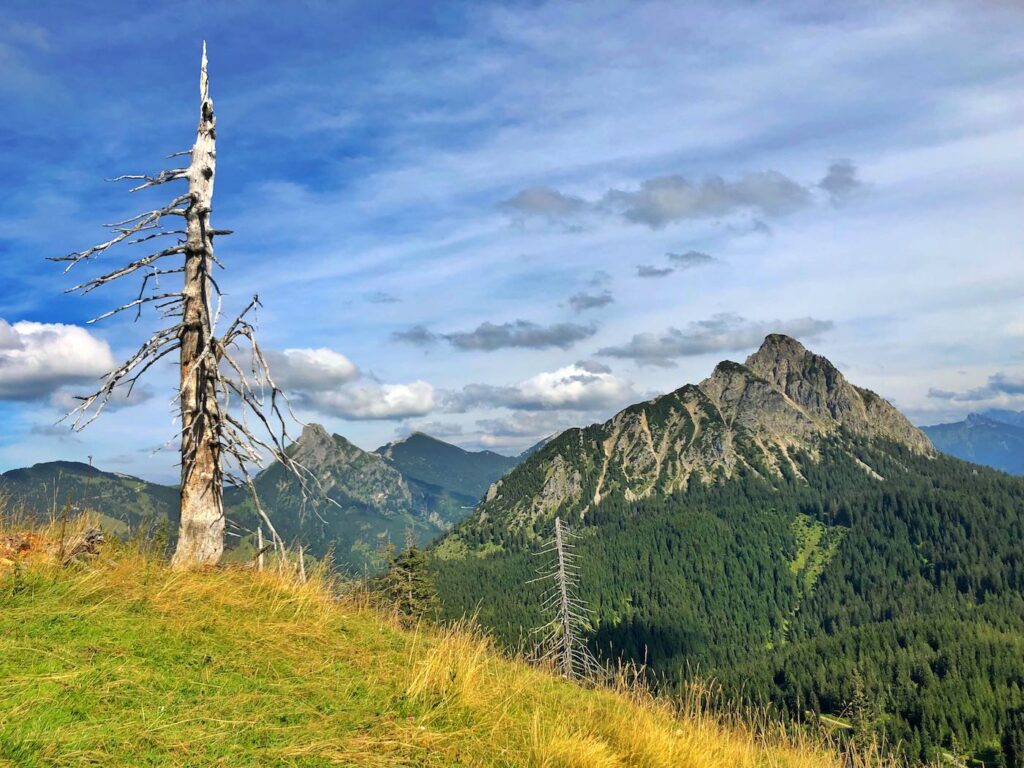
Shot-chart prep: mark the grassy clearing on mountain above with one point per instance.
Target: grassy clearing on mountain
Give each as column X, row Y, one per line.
column 122, row 662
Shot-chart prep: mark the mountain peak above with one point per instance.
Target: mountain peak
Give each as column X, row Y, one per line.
column 314, row 445
column 782, row 357
column 313, row 433
column 779, row 345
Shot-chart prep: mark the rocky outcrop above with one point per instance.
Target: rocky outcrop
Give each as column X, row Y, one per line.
column 749, row 418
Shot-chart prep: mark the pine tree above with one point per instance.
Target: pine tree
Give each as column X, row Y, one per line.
column 407, row 585
column 1013, row 740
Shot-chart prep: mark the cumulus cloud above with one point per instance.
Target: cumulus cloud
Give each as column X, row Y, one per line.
column 311, row 370
column 572, row 387
column 690, row 259
column 328, row 382
column 841, row 183
column 725, row 332
column 1000, row 385
column 544, row 201
column 593, row 366
column 599, row 278
column 580, row 302
column 37, row 359
column 646, row 270
column 368, row 400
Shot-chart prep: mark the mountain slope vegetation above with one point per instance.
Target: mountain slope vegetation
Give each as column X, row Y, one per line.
column 125, row 503
column 123, row 662
column 783, row 530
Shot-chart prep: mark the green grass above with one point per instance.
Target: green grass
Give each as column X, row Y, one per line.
column 123, row 662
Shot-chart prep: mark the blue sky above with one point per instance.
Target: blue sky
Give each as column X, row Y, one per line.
column 491, row 221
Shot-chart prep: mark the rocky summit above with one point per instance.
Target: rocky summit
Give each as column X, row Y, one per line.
column 743, row 419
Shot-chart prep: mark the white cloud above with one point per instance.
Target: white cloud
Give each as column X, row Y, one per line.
column 36, row 359
column 370, row 400
column 572, row 387
column 311, row 370
column 328, row 382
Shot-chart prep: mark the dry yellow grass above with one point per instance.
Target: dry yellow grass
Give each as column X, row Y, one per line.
column 122, row 662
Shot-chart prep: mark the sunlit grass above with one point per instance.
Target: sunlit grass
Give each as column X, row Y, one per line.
column 123, row 662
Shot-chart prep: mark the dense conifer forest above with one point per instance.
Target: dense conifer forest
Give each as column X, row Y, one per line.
column 803, row 592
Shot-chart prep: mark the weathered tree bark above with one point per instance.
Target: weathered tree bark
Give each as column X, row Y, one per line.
column 222, row 398
column 201, row 534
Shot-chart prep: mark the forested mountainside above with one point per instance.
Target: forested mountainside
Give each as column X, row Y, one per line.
column 784, row 531
column 993, row 438
column 124, row 502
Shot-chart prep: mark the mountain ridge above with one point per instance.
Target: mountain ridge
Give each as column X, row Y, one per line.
column 743, row 418
column 994, row 438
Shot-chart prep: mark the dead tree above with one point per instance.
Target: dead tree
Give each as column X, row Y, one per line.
column 562, row 637
column 231, row 413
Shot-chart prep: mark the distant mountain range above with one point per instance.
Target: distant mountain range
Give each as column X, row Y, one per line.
column 994, row 438
column 783, row 531
column 419, row 485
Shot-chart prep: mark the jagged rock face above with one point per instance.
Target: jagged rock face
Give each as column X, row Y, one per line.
column 344, row 468
column 743, row 418
column 817, row 386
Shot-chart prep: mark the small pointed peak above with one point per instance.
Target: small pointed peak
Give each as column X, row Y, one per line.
column 779, row 352
column 313, row 433
column 775, row 343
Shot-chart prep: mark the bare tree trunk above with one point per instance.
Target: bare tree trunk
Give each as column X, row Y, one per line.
column 201, row 535
column 568, row 639
column 213, row 383
column 259, row 548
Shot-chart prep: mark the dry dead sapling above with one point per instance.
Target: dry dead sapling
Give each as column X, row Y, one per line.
column 563, row 637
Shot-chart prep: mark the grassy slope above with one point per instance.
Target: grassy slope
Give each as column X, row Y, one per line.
column 124, row 663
